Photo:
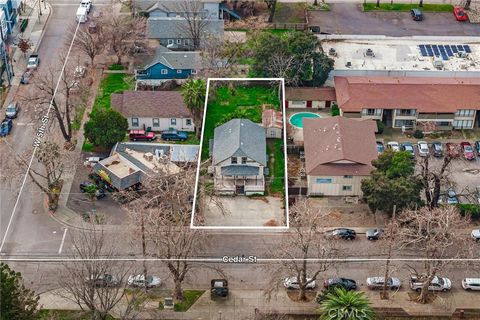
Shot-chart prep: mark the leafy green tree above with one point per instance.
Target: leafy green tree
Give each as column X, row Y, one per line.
column 194, row 93
column 346, row 305
column 392, row 183
column 291, row 55
column 106, row 127
column 17, row 302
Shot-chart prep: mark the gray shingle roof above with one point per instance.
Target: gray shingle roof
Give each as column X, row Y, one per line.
column 239, row 170
column 173, row 27
column 176, row 59
column 239, row 138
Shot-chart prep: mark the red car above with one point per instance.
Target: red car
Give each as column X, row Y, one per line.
column 460, row 14
column 141, row 135
column 467, row 150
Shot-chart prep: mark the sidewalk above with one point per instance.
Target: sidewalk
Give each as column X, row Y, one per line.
column 34, row 32
column 243, row 304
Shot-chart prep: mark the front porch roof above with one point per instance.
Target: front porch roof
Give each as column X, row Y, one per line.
column 239, row 170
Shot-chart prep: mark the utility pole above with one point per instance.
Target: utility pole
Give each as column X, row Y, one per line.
column 39, row 9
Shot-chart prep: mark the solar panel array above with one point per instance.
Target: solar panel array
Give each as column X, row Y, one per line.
column 443, row 50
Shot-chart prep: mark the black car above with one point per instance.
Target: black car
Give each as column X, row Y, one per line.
column 373, row 234
column 347, row 284
column 343, row 233
column 86, row 185
column 437, row 149
column 416, row 14
column 218, row 288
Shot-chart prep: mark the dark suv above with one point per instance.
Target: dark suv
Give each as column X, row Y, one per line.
column 416, row 14
column 347, row 284
column 343, row 233
column 174, row 135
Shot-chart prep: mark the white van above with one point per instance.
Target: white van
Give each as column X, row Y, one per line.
column 82, row 15
column 87, row 4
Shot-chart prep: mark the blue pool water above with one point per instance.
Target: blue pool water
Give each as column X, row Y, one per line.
column 297, row 118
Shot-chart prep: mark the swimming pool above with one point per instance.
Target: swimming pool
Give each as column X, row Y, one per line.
column 297, row 118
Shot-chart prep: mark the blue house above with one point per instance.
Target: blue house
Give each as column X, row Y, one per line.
column 10, row 7
column 169, row 65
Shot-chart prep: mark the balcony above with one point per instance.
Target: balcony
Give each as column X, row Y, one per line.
column 436, row 116
column 406, row 113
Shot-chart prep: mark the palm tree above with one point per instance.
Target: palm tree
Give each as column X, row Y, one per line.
column 346, row 305
column 194, row 92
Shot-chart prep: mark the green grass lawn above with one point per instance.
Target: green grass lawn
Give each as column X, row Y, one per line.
column 113, row 82
column 277, row 31
column 244, row 101
column 407, row 7
column 190, row 296
column 276, row 166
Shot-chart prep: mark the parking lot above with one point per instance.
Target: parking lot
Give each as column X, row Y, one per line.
column 348, row 18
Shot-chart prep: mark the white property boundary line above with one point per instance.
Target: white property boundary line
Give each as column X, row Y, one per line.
column 353, row 260
column 35, row 148
column 282, row 103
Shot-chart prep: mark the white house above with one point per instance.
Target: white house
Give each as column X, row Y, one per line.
column 154, row 110
column 272, row 121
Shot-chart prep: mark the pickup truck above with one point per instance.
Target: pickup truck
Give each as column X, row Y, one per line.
column 33, row 61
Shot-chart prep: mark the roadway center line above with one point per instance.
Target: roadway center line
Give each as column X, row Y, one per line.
column 63, row 241
column 36, row 146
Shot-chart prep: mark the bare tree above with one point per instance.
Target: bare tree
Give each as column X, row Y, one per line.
column 161, row 211
column 90, row 43
column 437, row 233
column 218, row 57
column 91, row 278
column 433, row 178
column 121, row 33
column 196, row 20
column 304, row 241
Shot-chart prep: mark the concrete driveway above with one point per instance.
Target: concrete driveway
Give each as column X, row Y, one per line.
column 348, row 18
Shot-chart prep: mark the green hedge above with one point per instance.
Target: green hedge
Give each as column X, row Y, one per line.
column 469, row 209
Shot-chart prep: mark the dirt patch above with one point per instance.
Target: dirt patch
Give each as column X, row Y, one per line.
column 293, row 295
column 290, row 13
column 271, row 223
column 294, row 166
column 414, row 296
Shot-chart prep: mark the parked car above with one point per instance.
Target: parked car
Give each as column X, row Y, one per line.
column 174, row 135
column 218, row 288
column 476, row 234
column 467, row 150
column 380, row 147
column 292, row 283
column 347, row 284
column 408, row 147
column 12, row 110
column 86, row 4
column 6, row 127
column 33, row 61
column 139, row 281
column 342, row 233
column 378, row 282
column 79, row 72
column 423, row 150
column 141, row 135
column 437, row 284
column 393, row 145
column 417, row 15
column 452, row 196
column 460, row 14
column 477, row 193
column 26, row 76
column 102, row 280
column 373, row 234
column 437, row 149
column 99, row 193
column 90, row 161
column 471, row 284
column 477, row 147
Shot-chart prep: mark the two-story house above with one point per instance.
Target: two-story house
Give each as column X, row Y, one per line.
column 437, row 103
column 175, row 23
column 239, row 157
column 168, row 65
column 153, row 110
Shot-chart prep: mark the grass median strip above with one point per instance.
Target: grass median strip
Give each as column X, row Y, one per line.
column 404, row 7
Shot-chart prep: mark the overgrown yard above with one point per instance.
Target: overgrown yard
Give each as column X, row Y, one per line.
column 276, row 166
column 240, row 102
column 113, row 82
column 290, row 13
column 407, row 7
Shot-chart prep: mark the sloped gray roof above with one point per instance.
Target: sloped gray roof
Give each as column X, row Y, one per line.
column 176, row 59
column 173, row 27
column 239, row 138
column 239, row 170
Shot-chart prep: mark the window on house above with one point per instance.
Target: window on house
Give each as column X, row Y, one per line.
column 156, row 122
column 173, row 121
column 465, row 113
column 179, row 71
column 194, row 71
column 346, row 188
column 164, row 71
column 244, row 160
column 134, row 122
column 179, row 41
column 348, row 177
column 324, row 180
column 188, row 122
column 234, row 160
column 170, row 41
column 297, row 103
column 186, row 42
column 463, row 124
column 141, row 71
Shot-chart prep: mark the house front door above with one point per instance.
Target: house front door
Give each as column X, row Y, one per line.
column 240, row 189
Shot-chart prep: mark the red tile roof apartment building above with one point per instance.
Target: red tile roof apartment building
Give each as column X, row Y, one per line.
column 410, row 102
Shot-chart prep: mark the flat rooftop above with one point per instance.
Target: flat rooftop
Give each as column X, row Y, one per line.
column 400, row 54
column 119, row 166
